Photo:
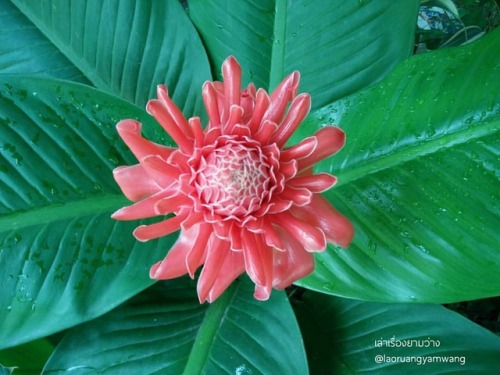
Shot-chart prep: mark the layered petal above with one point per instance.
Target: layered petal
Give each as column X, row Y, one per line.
column 337, row 228
column 135, row 182
column 243, row 202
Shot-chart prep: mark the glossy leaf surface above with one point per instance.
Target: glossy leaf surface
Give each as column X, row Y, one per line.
column 166, row 331
column 338, row 46
column 127, row 47
column 24, row 49
column 62, row 259
column 355, row 337
column 419, row 179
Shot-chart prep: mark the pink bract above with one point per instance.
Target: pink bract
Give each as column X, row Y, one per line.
column 242, row 200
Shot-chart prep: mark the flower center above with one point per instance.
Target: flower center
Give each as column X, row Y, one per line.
column 234, row 179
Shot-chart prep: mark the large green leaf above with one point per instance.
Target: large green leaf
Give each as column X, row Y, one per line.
column 166, row 331
column 127, row 47
column 353, row 337
column 24, row 49
column 419, row 179
column 27, row 359
column 338, row 46
column 62, row 259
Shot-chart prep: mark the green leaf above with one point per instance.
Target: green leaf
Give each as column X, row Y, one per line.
column 24, row 49
column 127, row 47
column 419, row 179
column 27, row 359
column 62, row 259
column 338, row 46
column 355, row 337
column 166, row 331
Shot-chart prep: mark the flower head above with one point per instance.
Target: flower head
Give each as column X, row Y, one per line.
column 242, row 200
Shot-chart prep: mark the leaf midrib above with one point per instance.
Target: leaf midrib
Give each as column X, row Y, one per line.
column 276, row 72
column 208, row 332
column 415, row 151
column 62, row 211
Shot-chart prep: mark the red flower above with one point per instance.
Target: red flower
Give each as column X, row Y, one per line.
column 243, row 201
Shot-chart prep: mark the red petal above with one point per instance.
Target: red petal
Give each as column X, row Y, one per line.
column 292, row 264
column 216, row 253
column 233, row 265
column 258, row 258
column 130, row 132
column 231, row 72
column 280, row 97
column 135, row 182
column 211, row 104
column 174, row 264
column 271, row 235
column 163, row 228
column 262, row 293
column 195, row 124
column 337, row 228
column 172, row 203
column 142, row 209
column 301, row 150
column 197, row 254
column 315, row 183
column 299, row 196
column 309, row 236
column 330, row 140
column 265, row 131
column 158, row 110
column 174, row 111
column 261, row 105
column 296, row 113
column 235, row 113
column 161, row 171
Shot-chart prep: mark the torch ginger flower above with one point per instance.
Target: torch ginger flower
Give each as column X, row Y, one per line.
column 243, row 201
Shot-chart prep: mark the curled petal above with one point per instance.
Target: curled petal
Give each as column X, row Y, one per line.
column 315, row 183
column 197, row 254
column 135, row 182
column 330, row 140
column 195, row 124
column 337, row 228
column 261, row 105
column 172, row 203
column 145, row 233
column 309, row 236
column 301, row 150
column 174, row 264
column 162, row 172
column 235, row 113
column 158, row 110
column 233, row 266
column 281, row 96
column 299, row 196
column 231, row 72
column 211, row 104
column 217, row 250
column 258, row 258
column 296, row 113
column 142, row 209
column 271, row 235
column 292, row 264
column 130, row 132
column 174, row 111
column 267, row 128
